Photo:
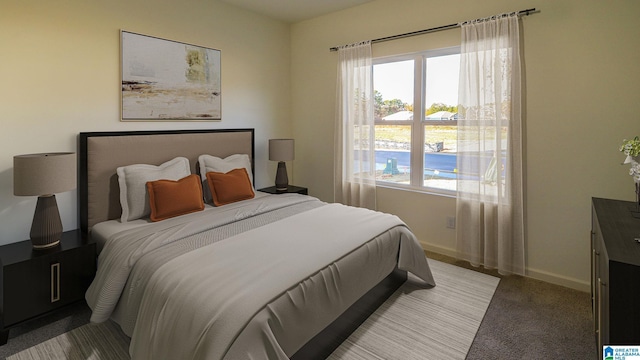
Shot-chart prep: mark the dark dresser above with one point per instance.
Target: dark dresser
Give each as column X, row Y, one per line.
column 615, row 273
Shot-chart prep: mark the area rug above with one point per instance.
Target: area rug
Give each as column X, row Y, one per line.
column 414, row 323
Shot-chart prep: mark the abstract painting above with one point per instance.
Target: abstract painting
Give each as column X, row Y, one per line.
column 168, row 80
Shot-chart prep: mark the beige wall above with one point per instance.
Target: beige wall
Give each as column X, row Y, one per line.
column 59, row 65
column 60, row 75
column 581, row 100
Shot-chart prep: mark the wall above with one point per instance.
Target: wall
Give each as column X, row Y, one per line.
column 582, row 74
column 60, row 71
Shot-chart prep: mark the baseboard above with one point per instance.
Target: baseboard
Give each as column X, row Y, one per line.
column 545, row 276
column 556, row 279
column 439, row 249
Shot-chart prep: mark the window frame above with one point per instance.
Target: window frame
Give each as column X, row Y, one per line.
column 418, row 123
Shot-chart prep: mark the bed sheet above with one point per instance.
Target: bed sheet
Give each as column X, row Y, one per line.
column 102, row 231
column 306, row 306
column 316, row 302
column 123, row 250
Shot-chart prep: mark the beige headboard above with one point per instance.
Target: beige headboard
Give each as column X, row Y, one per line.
column 100, row 153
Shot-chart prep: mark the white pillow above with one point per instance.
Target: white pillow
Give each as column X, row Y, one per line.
column 210, row 163
column 133, row 179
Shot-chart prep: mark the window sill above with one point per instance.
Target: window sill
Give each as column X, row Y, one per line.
column 422, row 190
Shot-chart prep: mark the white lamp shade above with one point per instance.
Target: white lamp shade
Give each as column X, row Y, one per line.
column 44, row 174
column 281, row 150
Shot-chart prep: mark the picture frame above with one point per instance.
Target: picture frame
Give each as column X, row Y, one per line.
column 165, row 80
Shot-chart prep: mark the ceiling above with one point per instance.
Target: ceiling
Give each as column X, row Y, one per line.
column 295, row 10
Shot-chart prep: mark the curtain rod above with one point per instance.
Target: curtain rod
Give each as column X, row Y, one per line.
column 425, row 31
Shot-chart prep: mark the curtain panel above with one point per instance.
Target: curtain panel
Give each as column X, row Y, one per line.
column 489, row 205
column 354, row 173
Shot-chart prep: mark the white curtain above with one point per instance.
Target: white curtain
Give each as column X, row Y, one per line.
column 489, row 206
column 354, row 173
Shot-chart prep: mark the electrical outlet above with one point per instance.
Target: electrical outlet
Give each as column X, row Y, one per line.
column 451, row 222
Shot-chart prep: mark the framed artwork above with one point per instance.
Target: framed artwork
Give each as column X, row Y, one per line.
column 164, row 80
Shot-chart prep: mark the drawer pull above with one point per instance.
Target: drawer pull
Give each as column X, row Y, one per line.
column 55, row 282
column 599, row 339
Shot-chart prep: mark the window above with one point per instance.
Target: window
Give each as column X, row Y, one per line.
column 415, row 102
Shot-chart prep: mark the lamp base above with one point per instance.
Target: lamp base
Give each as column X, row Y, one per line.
column 46, row 228
column 282, row 180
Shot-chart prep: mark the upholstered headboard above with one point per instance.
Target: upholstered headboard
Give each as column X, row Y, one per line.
column 100, row 153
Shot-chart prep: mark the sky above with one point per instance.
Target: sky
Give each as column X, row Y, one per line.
column 395, row 80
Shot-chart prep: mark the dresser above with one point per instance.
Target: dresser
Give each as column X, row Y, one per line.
column 615, row 273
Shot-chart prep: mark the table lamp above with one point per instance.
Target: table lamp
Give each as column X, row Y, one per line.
column 43, row 175
column 281, row 150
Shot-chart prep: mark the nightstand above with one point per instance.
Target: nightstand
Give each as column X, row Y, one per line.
column 290, row 189
column 36, row 282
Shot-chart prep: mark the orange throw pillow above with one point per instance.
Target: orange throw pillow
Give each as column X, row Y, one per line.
column 230, row 187
column 169, row 198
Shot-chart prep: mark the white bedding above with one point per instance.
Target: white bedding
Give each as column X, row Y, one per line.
column 179, row 303
column 102, row 231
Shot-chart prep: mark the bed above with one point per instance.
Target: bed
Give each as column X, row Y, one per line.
column 261, row 276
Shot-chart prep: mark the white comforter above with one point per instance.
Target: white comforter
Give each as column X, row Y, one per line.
column 200, row 304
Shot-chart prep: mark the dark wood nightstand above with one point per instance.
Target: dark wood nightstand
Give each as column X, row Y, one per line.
column 290, row 189
column 35, row 282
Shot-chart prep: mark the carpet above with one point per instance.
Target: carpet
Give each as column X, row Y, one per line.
column 414, row 323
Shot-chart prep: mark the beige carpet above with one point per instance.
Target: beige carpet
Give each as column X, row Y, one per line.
column 415, row 323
